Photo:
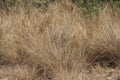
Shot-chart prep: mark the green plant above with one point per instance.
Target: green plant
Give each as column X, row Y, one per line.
column 91, row 7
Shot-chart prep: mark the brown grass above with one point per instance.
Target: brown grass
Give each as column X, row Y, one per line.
column 59, row 44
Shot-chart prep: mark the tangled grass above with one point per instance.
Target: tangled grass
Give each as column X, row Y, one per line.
column 59, row 44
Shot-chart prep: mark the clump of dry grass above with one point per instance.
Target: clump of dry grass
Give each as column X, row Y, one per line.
column 59, row 44
column 16, row 72
column 104, row 44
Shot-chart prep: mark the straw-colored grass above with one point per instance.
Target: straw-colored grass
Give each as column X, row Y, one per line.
column 59, row 44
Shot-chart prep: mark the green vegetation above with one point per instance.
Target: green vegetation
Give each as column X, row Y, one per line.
column 7, row 4
column 91, row 7
column 88, row 7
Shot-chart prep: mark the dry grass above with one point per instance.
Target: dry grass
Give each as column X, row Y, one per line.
column 59, row 45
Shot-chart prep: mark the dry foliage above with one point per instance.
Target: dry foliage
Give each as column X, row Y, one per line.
column 59, row 44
